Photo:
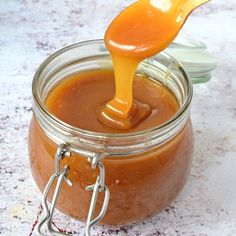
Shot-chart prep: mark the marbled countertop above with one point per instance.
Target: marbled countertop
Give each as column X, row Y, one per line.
column 31, row 30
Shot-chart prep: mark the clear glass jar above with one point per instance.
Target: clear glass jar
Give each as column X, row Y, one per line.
column 144, row 170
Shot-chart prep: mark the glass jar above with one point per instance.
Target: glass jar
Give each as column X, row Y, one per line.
column 144, row 170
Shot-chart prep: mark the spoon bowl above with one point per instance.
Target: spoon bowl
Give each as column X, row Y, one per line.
column 148, row 26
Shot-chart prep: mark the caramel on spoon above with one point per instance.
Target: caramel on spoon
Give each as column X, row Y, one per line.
column 140, row 31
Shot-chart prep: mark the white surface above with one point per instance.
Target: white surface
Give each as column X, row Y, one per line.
column 31, row 30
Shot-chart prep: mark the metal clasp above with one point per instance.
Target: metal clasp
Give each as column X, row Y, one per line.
column 62, row 152
column 62, row 175
column 99, row 186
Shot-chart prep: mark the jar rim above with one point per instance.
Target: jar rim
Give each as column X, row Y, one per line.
column 98, row 135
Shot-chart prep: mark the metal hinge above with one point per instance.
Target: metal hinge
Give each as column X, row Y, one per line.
column 45, row 223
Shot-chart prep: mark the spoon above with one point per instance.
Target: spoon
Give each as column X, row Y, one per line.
column 148, row 26
column 138, row 32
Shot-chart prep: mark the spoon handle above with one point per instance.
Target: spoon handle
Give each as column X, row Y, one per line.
column 192, row 4
column 189, row 6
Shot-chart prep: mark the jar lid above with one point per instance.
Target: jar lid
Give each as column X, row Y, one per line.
column 195, row 58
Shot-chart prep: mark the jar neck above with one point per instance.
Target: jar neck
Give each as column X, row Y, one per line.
column 93, row 55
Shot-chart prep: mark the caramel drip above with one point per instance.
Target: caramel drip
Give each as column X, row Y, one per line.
column 140, row 31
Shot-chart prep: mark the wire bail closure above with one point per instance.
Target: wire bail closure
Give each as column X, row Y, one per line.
column 61, row 175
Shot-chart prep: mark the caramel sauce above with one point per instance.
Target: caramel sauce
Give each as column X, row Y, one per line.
column 140, row 31
column 76, row 100
column 140, row 185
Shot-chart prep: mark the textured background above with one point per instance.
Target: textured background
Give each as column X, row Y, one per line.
column 31, row 30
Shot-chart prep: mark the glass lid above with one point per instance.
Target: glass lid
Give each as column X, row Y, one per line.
column 195, row 58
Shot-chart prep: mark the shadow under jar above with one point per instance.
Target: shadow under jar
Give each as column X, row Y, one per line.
column 145, row 170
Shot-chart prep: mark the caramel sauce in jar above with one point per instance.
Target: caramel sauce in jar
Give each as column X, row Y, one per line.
column 152, row 159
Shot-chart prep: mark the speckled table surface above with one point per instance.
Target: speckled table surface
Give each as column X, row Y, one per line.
column 31, row 30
